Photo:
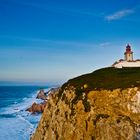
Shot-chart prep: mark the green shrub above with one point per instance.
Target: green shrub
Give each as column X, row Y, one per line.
column 107, row 78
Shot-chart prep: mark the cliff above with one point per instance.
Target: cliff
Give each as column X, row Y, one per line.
column 103, row 105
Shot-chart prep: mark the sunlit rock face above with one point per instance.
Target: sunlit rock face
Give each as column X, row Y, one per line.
column 134, row 104
column 96, row 115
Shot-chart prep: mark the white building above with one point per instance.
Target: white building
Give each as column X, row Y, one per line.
column 128, row 60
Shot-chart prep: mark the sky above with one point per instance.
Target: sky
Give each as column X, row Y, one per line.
column 51, row 41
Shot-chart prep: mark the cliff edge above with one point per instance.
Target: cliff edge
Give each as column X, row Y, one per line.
column 103, row 105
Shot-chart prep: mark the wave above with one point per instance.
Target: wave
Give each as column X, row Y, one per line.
column 20, row 123
column 7, row 115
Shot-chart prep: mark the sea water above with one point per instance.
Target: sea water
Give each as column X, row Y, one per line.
column 15, row 122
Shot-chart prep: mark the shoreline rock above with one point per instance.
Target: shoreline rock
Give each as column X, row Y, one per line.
column 42, row 95
column 39, row 107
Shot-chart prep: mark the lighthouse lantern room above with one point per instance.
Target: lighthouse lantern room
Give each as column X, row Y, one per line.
column 128, row 55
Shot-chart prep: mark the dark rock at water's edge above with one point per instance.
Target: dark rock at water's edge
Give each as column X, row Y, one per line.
column 41, row 95
column 37, row 108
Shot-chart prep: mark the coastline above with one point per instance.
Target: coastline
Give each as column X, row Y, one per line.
column 16, row 123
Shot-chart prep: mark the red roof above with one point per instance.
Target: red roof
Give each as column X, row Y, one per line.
column 128, row 49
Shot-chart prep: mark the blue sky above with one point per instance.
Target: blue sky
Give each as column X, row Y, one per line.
column 50, row 41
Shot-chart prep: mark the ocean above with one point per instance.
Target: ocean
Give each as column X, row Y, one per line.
column 15, row 122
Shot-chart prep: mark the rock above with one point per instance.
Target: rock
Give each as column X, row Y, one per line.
column 37, row 108
column 44, row 95
column 41, row 95
column 99, row 114
column 53, row 90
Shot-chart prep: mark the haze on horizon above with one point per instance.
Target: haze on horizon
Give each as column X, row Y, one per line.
column 51, row 41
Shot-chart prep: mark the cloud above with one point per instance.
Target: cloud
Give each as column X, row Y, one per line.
column 119, row 14
column 104, row 44
column 61, row 43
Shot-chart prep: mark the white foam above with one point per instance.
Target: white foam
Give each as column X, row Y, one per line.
column 14, row 129
column 22, row 124
column 27, row 102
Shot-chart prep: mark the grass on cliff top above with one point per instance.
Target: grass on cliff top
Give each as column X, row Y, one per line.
column 107, row 78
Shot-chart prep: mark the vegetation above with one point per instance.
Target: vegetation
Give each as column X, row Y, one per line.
column 86, row 105
column 98, row 117
column 107, row 78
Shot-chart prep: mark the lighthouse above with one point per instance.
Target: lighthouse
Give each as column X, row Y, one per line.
column 128, row 55
column 128, row 60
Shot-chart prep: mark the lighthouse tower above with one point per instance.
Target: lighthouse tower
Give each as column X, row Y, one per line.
column 128, row 61
column 128, row 55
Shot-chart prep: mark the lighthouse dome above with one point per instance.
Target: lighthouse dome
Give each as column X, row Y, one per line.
column 128, row 48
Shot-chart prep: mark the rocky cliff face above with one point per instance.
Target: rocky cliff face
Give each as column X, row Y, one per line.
column 79, row 114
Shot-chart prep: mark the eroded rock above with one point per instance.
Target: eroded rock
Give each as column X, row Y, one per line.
column 109, row 118
column 42, row 95
column 37, row 108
